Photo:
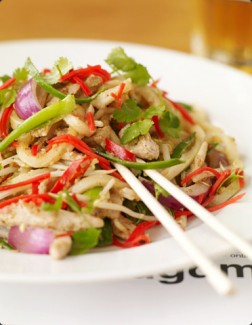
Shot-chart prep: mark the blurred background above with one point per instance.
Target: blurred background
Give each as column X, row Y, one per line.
column 165, row 23
column 217, row 29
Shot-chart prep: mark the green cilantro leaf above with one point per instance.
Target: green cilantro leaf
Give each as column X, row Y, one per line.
column 135, row 130
column 139, row 75
column 84, row 240
column 182, row 146
column 154, row 111
column 170, row 124
column 120, row 61
column 4, row 78
column 21, row 74
column 129, row 112
column 61, row 67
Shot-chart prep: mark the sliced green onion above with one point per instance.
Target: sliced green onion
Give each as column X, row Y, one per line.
column 37, row 120
column 142, row 166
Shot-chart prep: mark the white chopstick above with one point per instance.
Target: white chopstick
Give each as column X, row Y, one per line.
column 202, row 213
column 214, row 275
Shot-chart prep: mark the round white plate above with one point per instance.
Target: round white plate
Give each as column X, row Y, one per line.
column 227, row 96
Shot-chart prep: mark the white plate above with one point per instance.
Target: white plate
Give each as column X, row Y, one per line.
column 227, row 96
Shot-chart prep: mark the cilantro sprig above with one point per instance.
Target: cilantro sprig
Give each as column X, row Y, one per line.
column 8, row 95
column 130, row 112
column 120, row 61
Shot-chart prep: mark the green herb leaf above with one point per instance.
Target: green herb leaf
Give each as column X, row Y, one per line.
column 5, row 77
column 129, row 112
column 154, row 111
column 61, row 67
column 137, row 206
column 106, row 236
column 139, row 75
column 170, row 124
column 182, row 146
column 21, row 74
column 84, row 240
column 135, row 130
column 119, row 60
column 4, row 244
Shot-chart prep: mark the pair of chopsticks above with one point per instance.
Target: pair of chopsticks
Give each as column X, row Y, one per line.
column 214, row 275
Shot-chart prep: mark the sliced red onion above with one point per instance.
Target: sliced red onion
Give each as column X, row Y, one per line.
column 169, row 201
column 31, row 240
column 29, row 100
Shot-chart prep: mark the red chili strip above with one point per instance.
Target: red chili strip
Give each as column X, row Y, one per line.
column 46, row 71
column 80, row 203
column 119, row 151
column 79, row 145
column 7, row 83
column 154, row 83
column 85, row 72
column 199, row 171
column 84, row 148
column 75, row 170
column 155, row 120
column 138, row 236
column 183, row 112
column 188, row 213
column 4, row 122
column 27, row 182
column 65, row 234
column 35, row 188
column 34, row 149
column 83, row 86
column 28, row 198
column 90, row 121
column 118, row 96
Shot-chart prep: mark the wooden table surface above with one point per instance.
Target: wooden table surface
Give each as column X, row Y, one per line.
column 165, row 23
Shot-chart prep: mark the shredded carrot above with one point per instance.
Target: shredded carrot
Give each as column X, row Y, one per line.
column 199, row 171
column 118, row 96
column 7, row 83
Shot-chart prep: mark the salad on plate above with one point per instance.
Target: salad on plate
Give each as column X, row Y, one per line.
column 61, row 130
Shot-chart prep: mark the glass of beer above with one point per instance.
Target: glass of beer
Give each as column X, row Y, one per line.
column 223, row 31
